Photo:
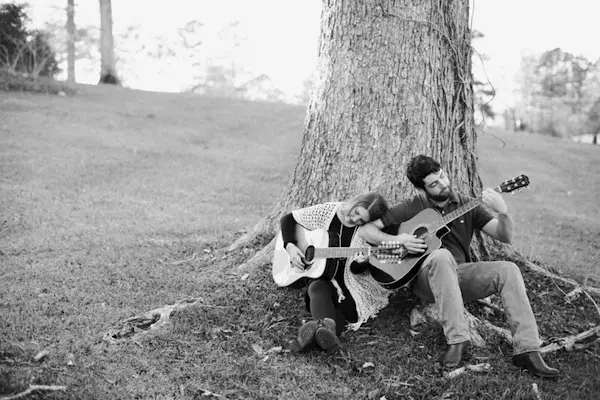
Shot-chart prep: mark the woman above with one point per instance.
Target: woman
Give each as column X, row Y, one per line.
column 349, row 297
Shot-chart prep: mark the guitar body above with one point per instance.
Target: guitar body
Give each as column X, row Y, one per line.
column 431, row 226
column 285, row 275
column 393, row 275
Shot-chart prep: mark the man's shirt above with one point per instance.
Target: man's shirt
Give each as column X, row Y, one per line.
column 458, row 240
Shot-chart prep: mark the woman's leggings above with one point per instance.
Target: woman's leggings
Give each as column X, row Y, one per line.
column 321, row 301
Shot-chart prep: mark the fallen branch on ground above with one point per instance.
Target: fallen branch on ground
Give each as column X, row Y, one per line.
column 586, row 345
column 593, row 302
column 579, row 291
column 484, row 367
column 536, row 391
column 569, row 342
column 33, row 388
column 573, row 294
column 150, row 320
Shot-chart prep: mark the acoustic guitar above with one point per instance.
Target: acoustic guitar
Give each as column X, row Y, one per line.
column 430, row 226
column 322, row 255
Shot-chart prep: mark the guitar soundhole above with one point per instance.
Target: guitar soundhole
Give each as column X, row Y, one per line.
column 309, row 254
column 421, row 232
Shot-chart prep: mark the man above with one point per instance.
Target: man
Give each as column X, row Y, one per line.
column 448, row 278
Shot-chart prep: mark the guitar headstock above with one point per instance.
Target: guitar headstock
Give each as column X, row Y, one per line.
column 514, row 185
column 389, row 252
column 390, row 245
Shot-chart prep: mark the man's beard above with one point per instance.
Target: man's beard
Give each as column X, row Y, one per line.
column 445, row 195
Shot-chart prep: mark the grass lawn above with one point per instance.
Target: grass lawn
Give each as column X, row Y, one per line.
column 115, row 202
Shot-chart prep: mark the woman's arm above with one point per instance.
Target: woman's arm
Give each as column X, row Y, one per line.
column 288, row 235
column 288, row 229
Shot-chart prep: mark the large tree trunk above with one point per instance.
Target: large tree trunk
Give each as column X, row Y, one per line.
column 71, row 41
column 393, row 80
column 108, row 72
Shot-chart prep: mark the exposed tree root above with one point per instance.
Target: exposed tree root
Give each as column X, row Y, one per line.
column 519, row 258
column 536, row 391
column 247, row 237
column 141, row 324
column 265, row 226
column 34, row 388
column 487, row 303
column 569, row 342
column 428, row 313
column 136, row 326
column 587, row 345
column 262, row 257
column 579, row 291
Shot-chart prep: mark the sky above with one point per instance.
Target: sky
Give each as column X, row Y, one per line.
column 283, row 34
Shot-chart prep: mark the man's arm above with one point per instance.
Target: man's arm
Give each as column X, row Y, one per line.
column 373, row 234
column 501, row 227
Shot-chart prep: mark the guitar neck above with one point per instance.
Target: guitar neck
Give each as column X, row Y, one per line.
column 460, row 211
column 340, row 252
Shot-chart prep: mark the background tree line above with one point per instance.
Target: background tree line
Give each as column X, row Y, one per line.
column 23, row 50
column 219, row 74
column 559, row 95
column 558, row 92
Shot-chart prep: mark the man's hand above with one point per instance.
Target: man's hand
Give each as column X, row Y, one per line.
column 494, row 201
column 412, row 243
column 296, row 256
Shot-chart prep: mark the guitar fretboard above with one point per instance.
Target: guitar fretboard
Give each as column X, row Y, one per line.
column 340, row 252
column 465, row 208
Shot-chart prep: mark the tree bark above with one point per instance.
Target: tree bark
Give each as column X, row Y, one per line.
column 108, row 72
column 71, row 41
column 393, row 80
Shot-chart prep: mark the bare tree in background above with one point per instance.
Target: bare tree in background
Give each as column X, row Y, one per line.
column 393, row 80
column 108, row 72
column 71, row 38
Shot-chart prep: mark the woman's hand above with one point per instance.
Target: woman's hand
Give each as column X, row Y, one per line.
column 361, row 258
column 412, row 243
column 296, row 256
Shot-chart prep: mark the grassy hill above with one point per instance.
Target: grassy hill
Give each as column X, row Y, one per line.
column 115, row 202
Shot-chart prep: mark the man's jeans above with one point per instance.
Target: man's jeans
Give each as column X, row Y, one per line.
column 449, row 285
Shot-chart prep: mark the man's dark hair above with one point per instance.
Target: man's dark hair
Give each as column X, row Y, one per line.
column 419, row 167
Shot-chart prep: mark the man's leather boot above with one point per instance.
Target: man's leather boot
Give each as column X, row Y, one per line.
column 534, row 363
column 455, row 354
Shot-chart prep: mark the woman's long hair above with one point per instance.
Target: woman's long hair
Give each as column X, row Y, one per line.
column 373, row 202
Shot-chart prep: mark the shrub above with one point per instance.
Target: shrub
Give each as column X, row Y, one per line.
column 23, row 50
column 23, row 82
